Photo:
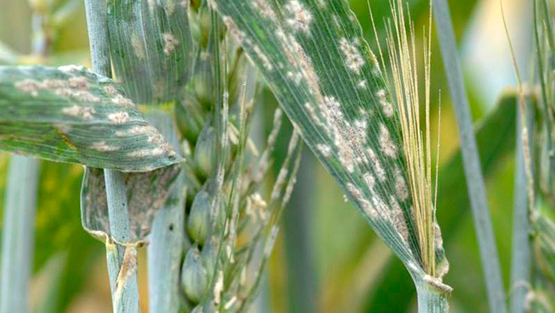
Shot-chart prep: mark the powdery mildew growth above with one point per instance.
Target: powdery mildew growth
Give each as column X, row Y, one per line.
column 69, row 114
column 330, row 84
column 136, row 31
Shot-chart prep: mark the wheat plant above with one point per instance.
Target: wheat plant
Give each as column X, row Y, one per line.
column 165, row 125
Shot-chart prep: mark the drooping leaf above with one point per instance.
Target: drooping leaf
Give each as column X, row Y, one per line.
column 69, row 114
column 151, row 48
column 315, row 60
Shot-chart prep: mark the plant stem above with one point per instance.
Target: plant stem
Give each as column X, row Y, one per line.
column 431, row 299
column 122, row 260
column 18, row 240
column 521, row 251
column 18, row 234
column 165, row 250
column 472, row 165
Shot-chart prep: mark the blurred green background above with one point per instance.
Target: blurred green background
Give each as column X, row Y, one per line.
column 327, row 258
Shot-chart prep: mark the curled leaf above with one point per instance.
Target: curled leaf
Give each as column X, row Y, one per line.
column 146, row 193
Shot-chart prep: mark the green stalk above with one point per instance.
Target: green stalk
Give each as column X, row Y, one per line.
column 165, row 250
column 18, row 238
column 472, row 165
column 521, row 260
column 18, row 234
column 122, row 260
column 431, row 299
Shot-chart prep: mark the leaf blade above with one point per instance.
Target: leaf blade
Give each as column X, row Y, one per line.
column 69, row 114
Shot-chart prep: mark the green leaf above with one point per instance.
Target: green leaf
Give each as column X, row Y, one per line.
column 314, row 58
column 69, row 114
column 475, row 179
column 151, row 48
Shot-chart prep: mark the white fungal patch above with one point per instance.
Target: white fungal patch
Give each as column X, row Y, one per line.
column 398, row 218
column 377, row 165
column 325, row 150
column 79, row 111
column 84, row 96
column 295, row 77
column 312, row 112
column 141, row 130
column 121, row 100
column 170, row 42
column 401, row 186
column 353, row 59
column 28, row 86
column 103, row 147
column 386, row 144
column 299, row 16
column 380, row 206
column 362, row 84
column 78, row 82
column 118, row 117
column 265, row 61
column 362, row 201
column 54, row 84
column 264, row 9
column 156, row 138
column 233, row 29
column 370, row 180
column 354, row 191
column 143, row 153
column 387, row 107
column 361, row 128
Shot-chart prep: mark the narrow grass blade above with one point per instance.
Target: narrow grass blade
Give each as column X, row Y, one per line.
column 18, row 234
column 69, row 114
column 521, row 260
column 165, row 251
column 474, row 177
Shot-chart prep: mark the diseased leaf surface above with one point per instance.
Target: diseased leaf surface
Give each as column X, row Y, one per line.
column 69, row 114
column 146, row 194
column 315, row 60
column 151, row 48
